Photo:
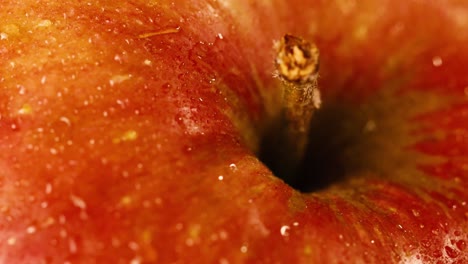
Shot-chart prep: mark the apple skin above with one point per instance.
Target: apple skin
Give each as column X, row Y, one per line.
column 128, row 132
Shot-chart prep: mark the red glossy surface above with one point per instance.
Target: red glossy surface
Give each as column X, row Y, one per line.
column 120, row 135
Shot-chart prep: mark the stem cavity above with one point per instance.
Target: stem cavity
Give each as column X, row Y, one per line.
column 297, row 65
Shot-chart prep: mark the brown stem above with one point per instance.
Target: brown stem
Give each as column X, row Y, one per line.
column 297, row 63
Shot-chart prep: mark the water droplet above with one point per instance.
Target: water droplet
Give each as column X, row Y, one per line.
column 370, row 126
column 233, row 167
column 166, row 87
column 133, row 246
column 220, row 177
column 31, row 229
column 116, row 79
column 189, row 242
column 223, row 261
column 223, row 235
column 244, row 249
column 372, row 241
column 53, row 151
column 11, row 241
column 295, row 224
column 284, row 230
column 62, row 219
column 115, row 242
column 48, row 222
column 136, row 260
column 78, row 201
column 158, row 201
column 400, row 226
column 437, row 61
column 415, row 212
column 21, row 90
column 72, row 247
column 48, row 188
column 65, row 120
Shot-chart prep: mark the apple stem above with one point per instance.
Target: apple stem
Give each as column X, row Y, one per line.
column 297, row 64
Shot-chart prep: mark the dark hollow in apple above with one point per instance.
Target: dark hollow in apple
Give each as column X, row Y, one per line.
column 346, row 140
column 329, row 138
column 335, row 131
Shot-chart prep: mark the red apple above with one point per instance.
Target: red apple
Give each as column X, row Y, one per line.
column 129, row 133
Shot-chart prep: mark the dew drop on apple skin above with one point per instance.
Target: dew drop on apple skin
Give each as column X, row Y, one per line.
column 136, row 260
column 284, row 230
column 31, row 229
column 233, row 167
column 78, row 202
column 244, row 249
column 72, row 247
column 437, row 61
column 11, row 241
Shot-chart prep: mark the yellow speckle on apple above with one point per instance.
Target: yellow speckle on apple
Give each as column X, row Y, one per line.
column 129, row 135
column 126, row 200
column 10, row 30
column 360, row 33
column 44, row 23
column 26, row 109
column 307, row 250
